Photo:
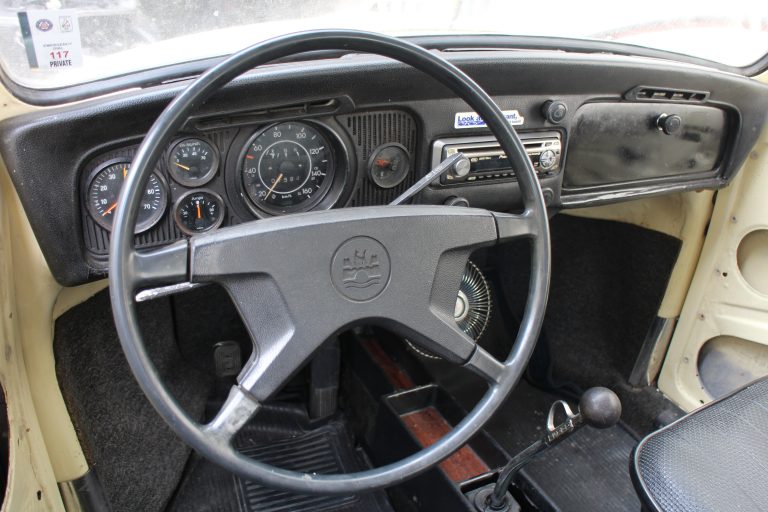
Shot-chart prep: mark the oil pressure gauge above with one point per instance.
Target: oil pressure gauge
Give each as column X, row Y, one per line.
column 199, row 211
column 193, row 162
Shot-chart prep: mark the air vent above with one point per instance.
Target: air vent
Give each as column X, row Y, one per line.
column 648, row 93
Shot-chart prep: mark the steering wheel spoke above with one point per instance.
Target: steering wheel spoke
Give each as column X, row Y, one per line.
column 485, row 365
column 514, row 226
column 159, row 267
column 238, row 408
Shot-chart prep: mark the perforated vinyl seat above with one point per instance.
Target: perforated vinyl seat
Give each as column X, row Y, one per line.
column 714, row 459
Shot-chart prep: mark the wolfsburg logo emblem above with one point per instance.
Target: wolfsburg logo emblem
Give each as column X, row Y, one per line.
column 360, row 268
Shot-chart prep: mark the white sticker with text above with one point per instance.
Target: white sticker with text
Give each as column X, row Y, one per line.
column 51, row 38
column 473, row 119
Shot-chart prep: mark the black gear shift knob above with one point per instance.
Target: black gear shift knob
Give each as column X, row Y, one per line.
column 600, row 407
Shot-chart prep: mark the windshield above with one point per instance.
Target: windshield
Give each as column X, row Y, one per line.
column 55, row 43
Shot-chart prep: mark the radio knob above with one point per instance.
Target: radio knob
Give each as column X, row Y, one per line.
column 554, row 111
column 461, row 168
column 547, row 159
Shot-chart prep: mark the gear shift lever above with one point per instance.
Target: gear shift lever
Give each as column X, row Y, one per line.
column 599, row 407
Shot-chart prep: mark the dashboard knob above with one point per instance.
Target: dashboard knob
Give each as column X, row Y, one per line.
column 669, row 124
column 461, row 168
column 554, row 111
column 456, row 201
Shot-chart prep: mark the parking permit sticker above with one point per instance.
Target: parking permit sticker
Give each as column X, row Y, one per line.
column 51, row 38
column 473, row 120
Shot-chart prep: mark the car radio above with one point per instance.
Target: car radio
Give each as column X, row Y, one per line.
column 488, row 162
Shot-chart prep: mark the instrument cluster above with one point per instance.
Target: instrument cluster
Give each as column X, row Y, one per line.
column 282, row 168
column 216, row 178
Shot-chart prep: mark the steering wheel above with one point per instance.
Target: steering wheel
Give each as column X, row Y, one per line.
column 274, row 269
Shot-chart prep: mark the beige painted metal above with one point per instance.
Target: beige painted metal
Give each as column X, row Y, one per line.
column 720, row 301
column 31, row 481
column 44, row 447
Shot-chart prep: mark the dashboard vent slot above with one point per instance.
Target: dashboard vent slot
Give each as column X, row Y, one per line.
column 370, row 130
column 312, row 108
column 648, row 93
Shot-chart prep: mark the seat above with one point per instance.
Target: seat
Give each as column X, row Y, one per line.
column 713, row 459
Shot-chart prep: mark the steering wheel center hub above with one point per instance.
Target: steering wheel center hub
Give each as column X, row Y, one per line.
column 360, row 268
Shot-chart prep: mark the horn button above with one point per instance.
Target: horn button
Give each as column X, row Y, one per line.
column 360, row 268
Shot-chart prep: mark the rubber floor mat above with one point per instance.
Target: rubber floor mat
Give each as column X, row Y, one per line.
column 279, row 439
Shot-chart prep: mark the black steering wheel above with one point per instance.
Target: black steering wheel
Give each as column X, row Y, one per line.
column 274, row 270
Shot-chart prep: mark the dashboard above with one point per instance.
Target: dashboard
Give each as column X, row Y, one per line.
column 359, row 130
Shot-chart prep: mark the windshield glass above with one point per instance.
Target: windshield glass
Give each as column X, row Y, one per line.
column 54, row 43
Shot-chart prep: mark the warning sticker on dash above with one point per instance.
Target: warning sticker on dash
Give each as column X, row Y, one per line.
column 51, row 38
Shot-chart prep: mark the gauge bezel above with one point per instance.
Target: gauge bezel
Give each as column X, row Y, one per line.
column 140, row 227
column 336, row 150
column 369, row 168
column 195, row 182
column 184, row 196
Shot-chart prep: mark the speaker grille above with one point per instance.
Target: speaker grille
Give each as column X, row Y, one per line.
column 369, row 131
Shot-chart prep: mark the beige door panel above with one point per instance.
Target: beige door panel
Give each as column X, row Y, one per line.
column 31, row 479
column 724, row 303
column 44, row 448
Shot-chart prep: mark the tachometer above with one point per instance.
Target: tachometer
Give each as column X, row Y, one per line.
column 287, row 167
column 105, row 186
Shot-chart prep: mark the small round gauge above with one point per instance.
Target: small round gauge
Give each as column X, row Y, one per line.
column 193, row 162
column 287, row 167
column 389, row 165
column 198, row 211
column 104, row 188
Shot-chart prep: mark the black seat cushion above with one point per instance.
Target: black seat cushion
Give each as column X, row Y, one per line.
column 714, row 459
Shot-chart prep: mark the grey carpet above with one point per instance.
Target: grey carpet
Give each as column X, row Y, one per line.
column 608, row 280
column 137, row 457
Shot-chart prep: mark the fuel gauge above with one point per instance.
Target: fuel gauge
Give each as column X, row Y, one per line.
column 199, row 211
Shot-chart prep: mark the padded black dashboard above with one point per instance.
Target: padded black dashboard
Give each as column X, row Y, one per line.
column 47, row 152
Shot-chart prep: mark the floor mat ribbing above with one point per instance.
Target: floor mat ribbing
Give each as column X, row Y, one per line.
column 277, row 438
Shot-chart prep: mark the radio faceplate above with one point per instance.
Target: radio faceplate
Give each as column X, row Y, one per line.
column 488, row 162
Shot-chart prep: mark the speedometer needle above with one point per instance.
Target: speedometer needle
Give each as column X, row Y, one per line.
column 109, row 210
column 182, row 166
column 277, row 180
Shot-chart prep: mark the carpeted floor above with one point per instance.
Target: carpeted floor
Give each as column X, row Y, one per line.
column 608, row 280
column 136, row 456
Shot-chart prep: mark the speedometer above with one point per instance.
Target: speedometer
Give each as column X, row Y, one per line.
column 287, row 167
